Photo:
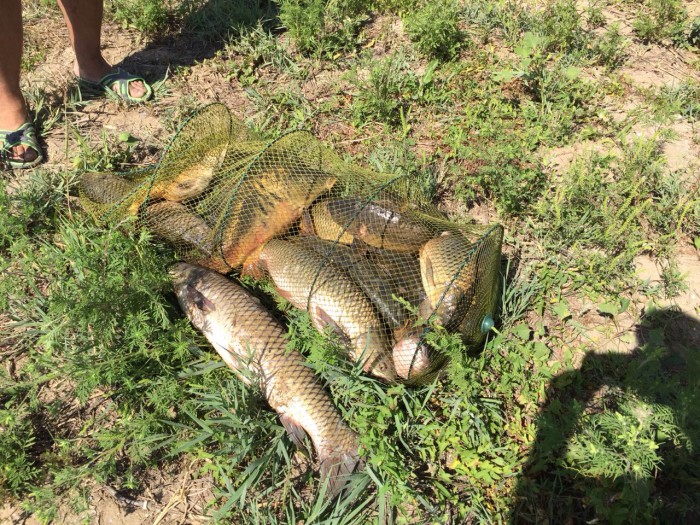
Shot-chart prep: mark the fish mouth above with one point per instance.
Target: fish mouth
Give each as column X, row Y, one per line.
column 383, row 368
column 179, row 269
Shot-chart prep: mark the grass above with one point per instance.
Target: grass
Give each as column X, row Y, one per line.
column 392, row 89
column 322, row 28
column 435, row 29
column 105, row 383
column 661, row 19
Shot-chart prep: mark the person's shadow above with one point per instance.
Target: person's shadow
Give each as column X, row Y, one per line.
column 618, row 438
column 204, row 32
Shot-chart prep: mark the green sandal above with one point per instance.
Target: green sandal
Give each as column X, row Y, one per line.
column 25, row 136
column 122, row 79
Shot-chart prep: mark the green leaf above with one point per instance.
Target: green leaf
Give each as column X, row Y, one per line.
column 696, row 242
column 522, row 331
column 506, row 75
column 624, row 305
column 628, row 338
column 429, row 72
column 609, row 308
column 571, row 72
column 562, row 310
column 541, row 351
column 127, row 138
column 529, row 42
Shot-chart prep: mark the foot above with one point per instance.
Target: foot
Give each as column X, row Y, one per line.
column 12, row 115
column 96, row 70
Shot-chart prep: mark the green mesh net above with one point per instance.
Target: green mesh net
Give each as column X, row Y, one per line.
column 348, row 245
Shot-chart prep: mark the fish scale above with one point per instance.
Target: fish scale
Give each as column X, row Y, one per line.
column 308, row 281
column 254, row 345
column 365, row 275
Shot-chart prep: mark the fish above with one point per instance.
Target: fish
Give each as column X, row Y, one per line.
column 380, row 224
column 182, row 178
column 266, row 204
column 311, row 283
column 176, row 224
column 320, row 223
column 379, row 290
column 174, row 179
column 254, row 345
column 400, row 269
column 189, row 233
column 448, row 278
column 110, row 189
column 411, row 355
column 484, row 270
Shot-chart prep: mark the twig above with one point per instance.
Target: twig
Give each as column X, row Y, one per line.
column 361, row 139
column 176, row 498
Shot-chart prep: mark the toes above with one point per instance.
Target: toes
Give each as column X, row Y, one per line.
column 24, row 154
column 137, row 89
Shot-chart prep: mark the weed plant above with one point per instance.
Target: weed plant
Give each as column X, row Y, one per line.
column 258, row 48
column 104, row 382
column 435, row 30
column 610, row 48
column 678, row 100
column 661, row 19
column 608, row 209
column 221, row 20
column 146, row 16
column 392, row 89
column 562, row 25
column 322, row 27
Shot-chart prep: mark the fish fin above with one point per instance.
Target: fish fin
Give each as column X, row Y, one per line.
column 284, row 293
column 254, row 266
column 199, row 300
column 323, row 320
column 429, row 275
column 307, row 225
column 214, row 262
column 362, row 232
column 404, row 330
column 359, row 247
column 336, row 470
column 330, row 182
column 296, row 432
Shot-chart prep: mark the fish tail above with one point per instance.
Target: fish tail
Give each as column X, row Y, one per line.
column 336, row 470
column 254, row 266
column 306, row 227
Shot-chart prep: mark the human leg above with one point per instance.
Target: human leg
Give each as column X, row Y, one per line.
column 12, row 109
column 84, row 22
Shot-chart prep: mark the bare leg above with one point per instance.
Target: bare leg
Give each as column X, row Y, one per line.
column 84, row 21
column 12, row 110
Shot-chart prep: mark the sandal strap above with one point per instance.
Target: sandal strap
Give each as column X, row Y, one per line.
column 123, row 80
column 25, row 135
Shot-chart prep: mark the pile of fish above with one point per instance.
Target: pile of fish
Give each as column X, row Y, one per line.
column 343, row 244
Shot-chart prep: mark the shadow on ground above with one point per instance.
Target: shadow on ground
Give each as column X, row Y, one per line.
column 204, row 32
column 651, row 398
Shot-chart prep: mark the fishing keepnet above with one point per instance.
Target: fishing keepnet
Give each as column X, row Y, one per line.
column 347, row 244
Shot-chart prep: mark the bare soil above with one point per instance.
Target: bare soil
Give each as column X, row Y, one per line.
column 171, row 496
